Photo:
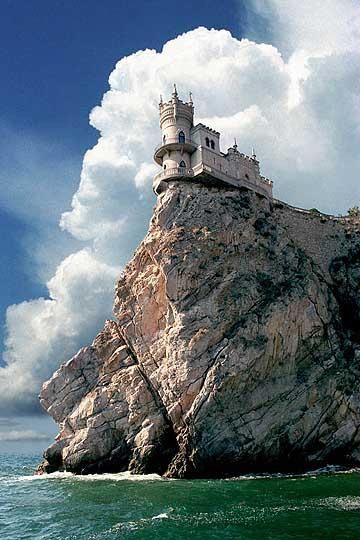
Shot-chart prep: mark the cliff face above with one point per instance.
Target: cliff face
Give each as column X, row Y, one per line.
column 236, row 346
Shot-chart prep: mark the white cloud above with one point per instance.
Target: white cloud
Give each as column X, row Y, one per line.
column 301, row 114
column 44, row 331
column 313, row 26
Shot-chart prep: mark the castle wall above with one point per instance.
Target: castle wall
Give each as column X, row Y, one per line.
column 172, row 128
column 199, row 134
column 242, row 167
column 174, row 158
column 322, row 237
column 196, row 157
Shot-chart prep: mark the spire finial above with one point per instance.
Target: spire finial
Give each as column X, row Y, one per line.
column 235, row 144
column 190, row 97
column 161, row 100
column 175, row 94
column 253, row 153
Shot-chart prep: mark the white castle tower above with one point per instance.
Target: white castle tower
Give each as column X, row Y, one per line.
column 176, row 123
column 192, row 153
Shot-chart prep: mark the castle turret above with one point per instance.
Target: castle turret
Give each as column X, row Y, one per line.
column 176, row 122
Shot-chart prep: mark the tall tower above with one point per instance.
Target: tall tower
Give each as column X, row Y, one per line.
column 176, row 121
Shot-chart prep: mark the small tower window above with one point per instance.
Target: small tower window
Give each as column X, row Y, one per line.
column 207, row 141
column 164, row 167
column 181, row 137
column 182, row 164
column 212, row 145
column 164, row 139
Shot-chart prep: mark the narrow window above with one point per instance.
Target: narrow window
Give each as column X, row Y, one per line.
column 207, row 141
column 212, row 145
column 164, row 139
column 182, row 164
column 247, row 176
column 164, row 167
column 181, row 137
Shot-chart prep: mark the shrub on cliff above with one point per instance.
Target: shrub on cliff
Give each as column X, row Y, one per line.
column 354, row 211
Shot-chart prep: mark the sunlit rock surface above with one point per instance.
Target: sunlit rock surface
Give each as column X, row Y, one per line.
column 235, row 346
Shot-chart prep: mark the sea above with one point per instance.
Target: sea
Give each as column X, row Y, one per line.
column 318, row 505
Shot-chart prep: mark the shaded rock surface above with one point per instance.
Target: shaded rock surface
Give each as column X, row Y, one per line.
column 235, row 346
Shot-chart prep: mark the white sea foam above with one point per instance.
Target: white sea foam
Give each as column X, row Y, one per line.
column 140, row 523
column 330, row 469
column 341, row 503
column 114, row 477
column 161, row 516
column 122, row 476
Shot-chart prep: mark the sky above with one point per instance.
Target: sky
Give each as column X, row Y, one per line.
column 79, row 120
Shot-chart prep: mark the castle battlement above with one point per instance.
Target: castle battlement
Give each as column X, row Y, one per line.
column 211, row 130
column 192, row 153
column 176, row 112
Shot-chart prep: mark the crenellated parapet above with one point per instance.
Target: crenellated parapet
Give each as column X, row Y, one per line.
column 175, row 111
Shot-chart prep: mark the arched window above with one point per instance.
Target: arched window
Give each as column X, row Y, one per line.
column 247, row 176
column 212, row 145
column 181, row 137
column 164, row 166
column 164, row 139
column 182, row 164
column 207, row 141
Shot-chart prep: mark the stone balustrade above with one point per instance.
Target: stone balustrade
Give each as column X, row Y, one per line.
column 172, row 141
column 174, row 171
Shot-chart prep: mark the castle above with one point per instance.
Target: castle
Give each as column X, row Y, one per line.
column 192, row 153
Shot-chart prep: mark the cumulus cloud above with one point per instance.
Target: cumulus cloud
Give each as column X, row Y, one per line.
column 300, row 111
column 313, row 26
column 43, row 332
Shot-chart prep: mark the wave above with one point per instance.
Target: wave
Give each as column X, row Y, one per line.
column 114, row 477
column 128, row 476
column 164, row 515
column 328, row 470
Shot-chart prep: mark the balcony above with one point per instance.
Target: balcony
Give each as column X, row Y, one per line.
column 173, row 144
column 175, row 172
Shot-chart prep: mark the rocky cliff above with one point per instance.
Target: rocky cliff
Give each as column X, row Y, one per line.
column 235, row 346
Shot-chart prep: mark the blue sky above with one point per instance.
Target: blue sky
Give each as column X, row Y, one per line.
column 56, row 57
column 291, row 91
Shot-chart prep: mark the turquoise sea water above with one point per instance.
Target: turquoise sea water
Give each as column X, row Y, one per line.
column 63, row 507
